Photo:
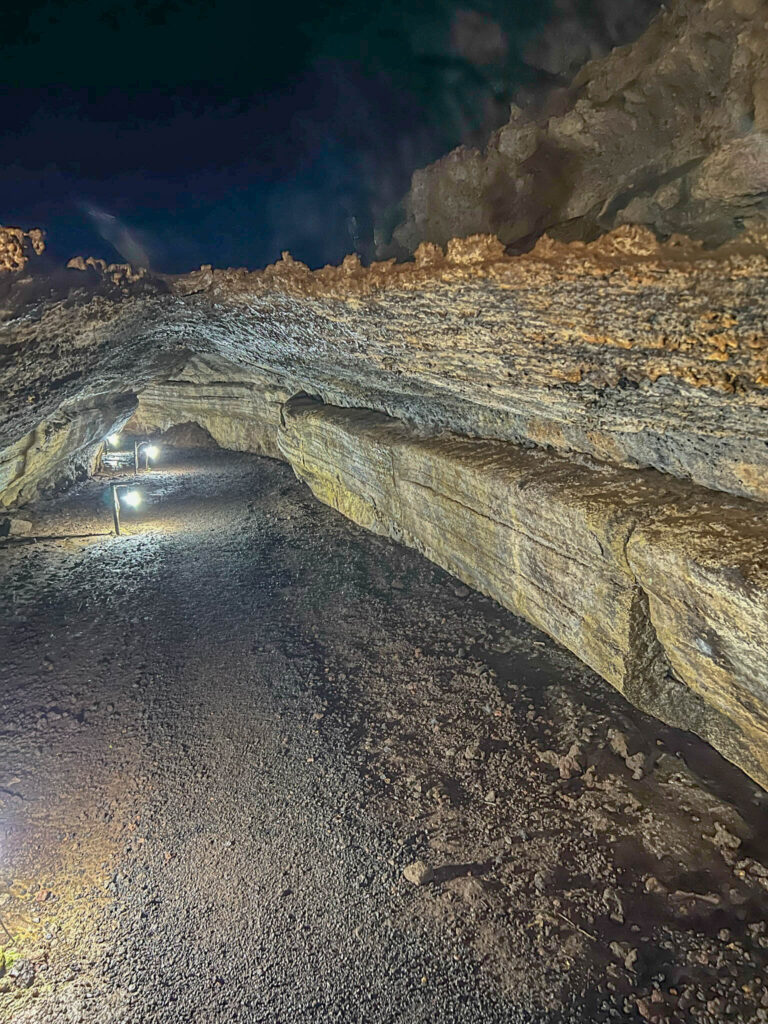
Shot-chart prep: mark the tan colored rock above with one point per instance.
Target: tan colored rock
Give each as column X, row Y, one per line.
column 630, row 351
column 61, row 449
column 418, row 873
column 659, row 586
column 17, row 247
column 15, row 527
column 239, row 411
column 704, row 565
column 678, row 105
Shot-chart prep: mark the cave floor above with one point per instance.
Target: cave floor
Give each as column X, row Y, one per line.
column 226, row 733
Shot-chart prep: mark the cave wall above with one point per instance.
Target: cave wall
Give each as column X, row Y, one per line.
column 579, row 430
column 670, row 132
column 240, row 412
column 625, row 350
column 62, row 448
column 660, row 586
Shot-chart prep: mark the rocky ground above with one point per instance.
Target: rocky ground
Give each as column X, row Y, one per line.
column 258, row 765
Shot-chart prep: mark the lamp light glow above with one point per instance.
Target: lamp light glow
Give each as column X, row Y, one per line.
column 114, row 439
column 132, row 498
column 153, row 451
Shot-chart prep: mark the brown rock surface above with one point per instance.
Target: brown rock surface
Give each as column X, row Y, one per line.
column 667, row 132
column 238, row 411
column 626, row 350
column 660, row 586
column 17, row 247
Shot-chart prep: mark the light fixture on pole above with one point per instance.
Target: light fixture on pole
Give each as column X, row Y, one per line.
column 131, row 497
column 151, row 452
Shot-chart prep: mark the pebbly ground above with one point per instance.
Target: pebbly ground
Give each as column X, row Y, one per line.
column 228, row 733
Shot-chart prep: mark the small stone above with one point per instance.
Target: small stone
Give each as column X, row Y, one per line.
column 624, row 952
column 723, row 839
column 618, row 742
column 23, row 973
column 636, row 764
column 461, row 591
column 652, row 884
column 418, row 873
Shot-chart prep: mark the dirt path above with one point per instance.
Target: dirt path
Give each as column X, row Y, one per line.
column 226, row 734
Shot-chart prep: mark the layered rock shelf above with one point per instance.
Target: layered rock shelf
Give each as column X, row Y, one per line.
column 659, row 586
column 626, row 350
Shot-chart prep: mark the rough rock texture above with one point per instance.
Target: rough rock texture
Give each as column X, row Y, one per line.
column 239, row 412
column 575, row 33
column 669, row 132
column 660, row 586
column 626, row 350
column 17, row 247
column 615, row 355
column 62, row 448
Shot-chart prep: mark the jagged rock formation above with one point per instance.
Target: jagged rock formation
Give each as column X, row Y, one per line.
column 670, row 132
column 531, row 403
column 17, row 247
column 576, row 33
column 624, row 350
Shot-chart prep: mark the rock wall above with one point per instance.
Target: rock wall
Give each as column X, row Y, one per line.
column 625, row 350
column 61, row 449
column 239, row 411
column 661, row 587
column 527, row 396
column 670, row 132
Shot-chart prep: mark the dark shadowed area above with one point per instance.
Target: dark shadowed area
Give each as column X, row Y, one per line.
column 175, row 134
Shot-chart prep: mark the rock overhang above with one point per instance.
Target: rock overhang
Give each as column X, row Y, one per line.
column 626, row 350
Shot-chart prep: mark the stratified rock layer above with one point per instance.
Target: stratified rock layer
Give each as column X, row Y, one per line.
column 625, row 350
column 528, row 396
column 62, row 448
column 661, row 587
column 239, row 412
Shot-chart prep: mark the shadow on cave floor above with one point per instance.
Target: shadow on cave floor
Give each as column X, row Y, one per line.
column 227, row 732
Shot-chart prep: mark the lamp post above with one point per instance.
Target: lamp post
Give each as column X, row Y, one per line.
column 151, row 452
column 131, row 498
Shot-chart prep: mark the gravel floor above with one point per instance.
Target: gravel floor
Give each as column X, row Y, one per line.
column 227, row 733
